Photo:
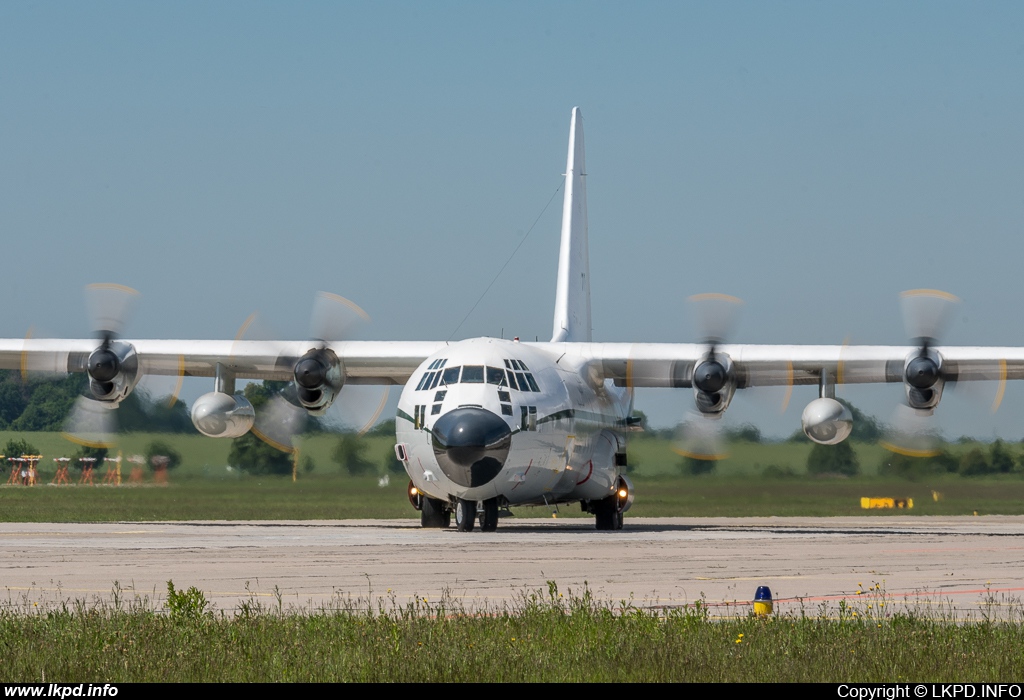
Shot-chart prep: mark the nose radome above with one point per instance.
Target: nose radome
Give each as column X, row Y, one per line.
column 471, row 445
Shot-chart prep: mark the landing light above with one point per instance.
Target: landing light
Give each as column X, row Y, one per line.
column 413, row 491
column 623, row 493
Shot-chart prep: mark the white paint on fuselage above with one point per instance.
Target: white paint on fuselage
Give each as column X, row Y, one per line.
column 569, row 455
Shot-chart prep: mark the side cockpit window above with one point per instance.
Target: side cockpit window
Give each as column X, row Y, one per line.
column 519, row 376
column 431, row 378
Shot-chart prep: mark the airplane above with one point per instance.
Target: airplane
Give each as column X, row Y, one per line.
column 487, row 424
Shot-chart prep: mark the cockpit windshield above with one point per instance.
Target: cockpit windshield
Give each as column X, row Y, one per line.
column 515, row 375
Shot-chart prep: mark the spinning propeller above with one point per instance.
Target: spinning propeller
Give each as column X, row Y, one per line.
column 317, row 379
column 112, row 368
column 700, row 433
column 911, row 432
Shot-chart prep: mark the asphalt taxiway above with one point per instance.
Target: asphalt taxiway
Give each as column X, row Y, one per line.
column 967, row 566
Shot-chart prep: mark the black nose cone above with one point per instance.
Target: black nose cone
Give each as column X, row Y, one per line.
column 471, row 445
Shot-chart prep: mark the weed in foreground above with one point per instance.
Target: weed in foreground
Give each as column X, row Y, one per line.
column 541, row 635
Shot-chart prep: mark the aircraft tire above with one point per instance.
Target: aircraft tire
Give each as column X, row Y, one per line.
column 434, row 514
column 606, row 514
column 465, row 515
column 489, row 518
column 618, row 520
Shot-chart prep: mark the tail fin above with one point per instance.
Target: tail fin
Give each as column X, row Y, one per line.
column 572, row 294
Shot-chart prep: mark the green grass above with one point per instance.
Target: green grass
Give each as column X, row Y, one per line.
column 204, row 488
column 543, row 636
column 341, row 497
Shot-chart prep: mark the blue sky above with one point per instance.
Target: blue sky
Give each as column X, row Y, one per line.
column 814, row 159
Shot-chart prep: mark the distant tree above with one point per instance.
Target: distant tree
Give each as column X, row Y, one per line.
column 798, row 436
column 253, row 456
column 744, row 433
column 1000, row 458
column 865, row 428
column 907, row 467
column 49, row 403
column 697, row 467
column 85, row 452
column 140, row 413
column 833, row 459
column 350, row 454
column 19, row 447
column 159, row 449
column 974, row 463
column 14, row 396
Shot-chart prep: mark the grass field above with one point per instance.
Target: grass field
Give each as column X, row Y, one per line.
column 544, row 636
column 204, row 488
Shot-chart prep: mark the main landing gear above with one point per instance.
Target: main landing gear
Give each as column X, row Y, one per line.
column 607, row 514
column 608, row 511
column 433, row 511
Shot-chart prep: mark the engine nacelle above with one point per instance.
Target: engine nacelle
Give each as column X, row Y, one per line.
column 826, row 421
column 222, row 415
column 113, row 371
column 319, row 377
column 923, row 380
column 713, row 384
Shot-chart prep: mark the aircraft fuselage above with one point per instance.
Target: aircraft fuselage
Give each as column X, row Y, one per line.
column 565, row 438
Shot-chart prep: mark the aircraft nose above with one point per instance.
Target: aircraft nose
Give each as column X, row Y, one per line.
column 471, row 445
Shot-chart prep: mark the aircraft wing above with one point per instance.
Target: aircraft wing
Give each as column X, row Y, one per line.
column 672, row 364
column 365, row 362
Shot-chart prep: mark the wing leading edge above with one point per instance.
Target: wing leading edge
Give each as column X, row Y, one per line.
column 365, row 362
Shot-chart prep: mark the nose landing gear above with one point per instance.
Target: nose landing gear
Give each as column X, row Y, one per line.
column 466, row 513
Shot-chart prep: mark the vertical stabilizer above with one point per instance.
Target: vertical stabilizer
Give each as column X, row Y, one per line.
column 572, row 294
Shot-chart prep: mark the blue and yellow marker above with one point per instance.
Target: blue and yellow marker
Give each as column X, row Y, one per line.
column 763, row 601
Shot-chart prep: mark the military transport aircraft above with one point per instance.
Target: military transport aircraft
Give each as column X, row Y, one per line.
column 485, row 424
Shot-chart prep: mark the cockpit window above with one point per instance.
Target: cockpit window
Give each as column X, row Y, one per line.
column 451, row 375
column 473, row 374
column 512, row 380
column 530, row 380
column 508, row 364
column 496, row 375
column 435, row 380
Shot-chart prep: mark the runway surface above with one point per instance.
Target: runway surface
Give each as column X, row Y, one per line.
column 935, row 563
